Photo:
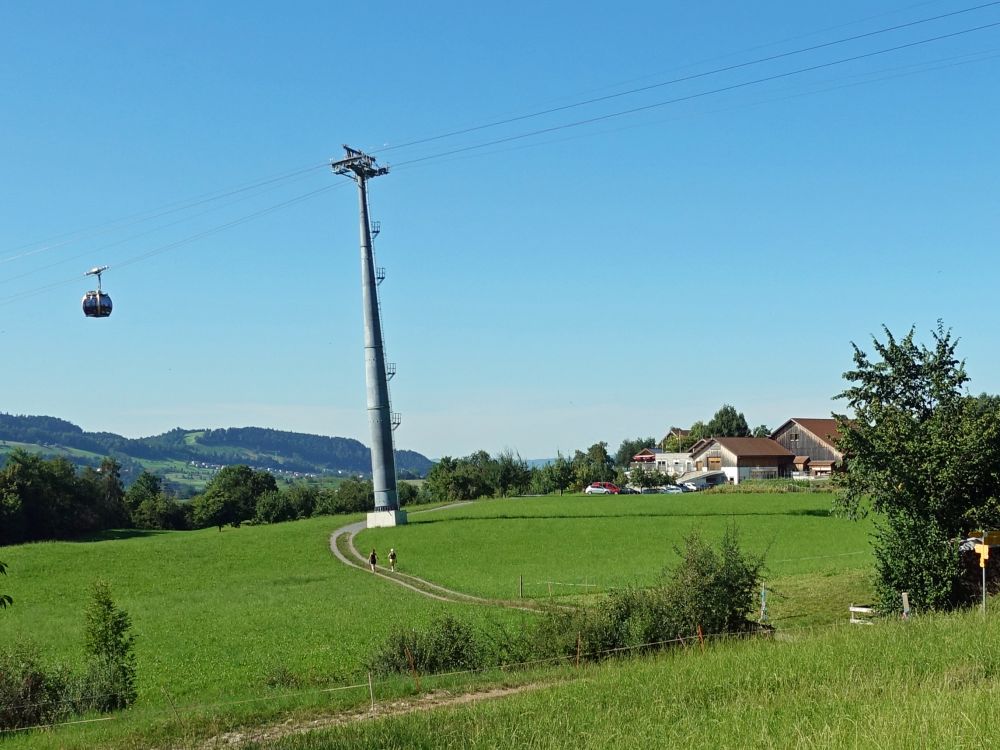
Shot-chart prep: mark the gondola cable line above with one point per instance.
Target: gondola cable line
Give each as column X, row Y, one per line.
column 18, row 296
column 547, row 130
column 682, row 79
column 699, row 94
column 184, row 204
column 159, row 228
column 150, row 214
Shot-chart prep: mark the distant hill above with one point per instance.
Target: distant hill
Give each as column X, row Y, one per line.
column 275, row 450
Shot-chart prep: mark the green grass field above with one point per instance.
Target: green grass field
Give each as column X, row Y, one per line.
column 249, row 625
column 929, row 683
column 216, row 614
column 578, row 543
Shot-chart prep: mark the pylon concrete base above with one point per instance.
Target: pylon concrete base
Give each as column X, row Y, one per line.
column 382, row 518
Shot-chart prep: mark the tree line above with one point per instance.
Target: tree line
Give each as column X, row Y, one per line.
column 43, row 499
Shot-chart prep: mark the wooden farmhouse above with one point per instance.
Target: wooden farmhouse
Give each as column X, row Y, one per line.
column 813, row 443
column 744, row 458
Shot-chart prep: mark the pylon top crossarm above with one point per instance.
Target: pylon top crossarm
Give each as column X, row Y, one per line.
column 358, row 165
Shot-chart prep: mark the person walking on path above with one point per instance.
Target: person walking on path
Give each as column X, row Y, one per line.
column 392, row 559
column 373, row 559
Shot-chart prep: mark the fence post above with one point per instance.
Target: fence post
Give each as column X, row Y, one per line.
column 371, row 691
column 701, row 639
column 906, row 606
column 520, row 587
column 578, row 650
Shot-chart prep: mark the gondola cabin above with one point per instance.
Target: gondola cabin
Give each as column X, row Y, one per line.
column 96, row 304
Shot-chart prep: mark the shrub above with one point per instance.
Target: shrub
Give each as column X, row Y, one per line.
column 109, row 682
column 160, row 512
column 30, row 693
column 714, row 590
column 447, row 644
column 275, row 507
column 408, row 494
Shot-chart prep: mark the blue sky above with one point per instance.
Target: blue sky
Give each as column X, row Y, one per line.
column 590, row 283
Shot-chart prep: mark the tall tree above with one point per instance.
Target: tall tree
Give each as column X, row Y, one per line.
column 628, row 448
column 728, row 422
column 593, row 466
column 146, row 487
column 761, row 430
column 924, row 457
column 112, row 491
column 231, row 497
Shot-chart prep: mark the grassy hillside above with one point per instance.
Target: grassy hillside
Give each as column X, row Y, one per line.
column 258, row 624
column 188, row 458
column 219, row 616
column 929, row 683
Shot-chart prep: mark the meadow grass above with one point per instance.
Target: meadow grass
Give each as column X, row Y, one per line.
column 218, row 616
column 930, row 683
column 249, row 625
column 816, row 563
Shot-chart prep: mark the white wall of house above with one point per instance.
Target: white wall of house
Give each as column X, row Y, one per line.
column 674, row 464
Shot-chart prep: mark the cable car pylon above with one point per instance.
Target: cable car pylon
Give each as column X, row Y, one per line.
column 361, row 167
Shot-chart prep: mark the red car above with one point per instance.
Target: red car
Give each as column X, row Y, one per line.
column 602, row 488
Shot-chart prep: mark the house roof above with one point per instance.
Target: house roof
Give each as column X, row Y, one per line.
column 826, row 430
column 676, row 432
column 696, row 448
column 749, row 446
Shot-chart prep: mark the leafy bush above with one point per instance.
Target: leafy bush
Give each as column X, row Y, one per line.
column 162, row 512
column 275, row 507
column 408, row 494
column 713, row 590
column 749, row 486
column 109, row 682
column 30, row 693
column 447, row 644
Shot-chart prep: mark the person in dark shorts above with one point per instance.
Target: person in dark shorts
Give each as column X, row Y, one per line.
column 373, row 560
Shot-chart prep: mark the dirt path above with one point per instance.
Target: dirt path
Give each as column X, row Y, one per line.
column 343, row 548
column 425, row 702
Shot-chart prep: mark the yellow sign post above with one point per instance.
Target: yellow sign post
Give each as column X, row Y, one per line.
column 984, row 554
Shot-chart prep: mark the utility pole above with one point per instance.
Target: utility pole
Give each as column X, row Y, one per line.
column 361, row 167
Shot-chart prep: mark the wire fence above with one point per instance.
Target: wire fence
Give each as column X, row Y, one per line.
column 580, row 658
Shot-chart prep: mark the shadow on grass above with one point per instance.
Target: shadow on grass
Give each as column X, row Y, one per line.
column 592, row 516
column 115, row 534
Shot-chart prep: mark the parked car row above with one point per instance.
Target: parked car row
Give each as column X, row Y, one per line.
column 602, row 488
column 609, row 488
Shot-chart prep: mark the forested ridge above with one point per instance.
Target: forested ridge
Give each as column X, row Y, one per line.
column 275, row 449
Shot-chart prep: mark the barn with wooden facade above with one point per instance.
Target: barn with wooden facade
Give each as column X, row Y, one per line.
column 744, row 458
column 813, row 442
